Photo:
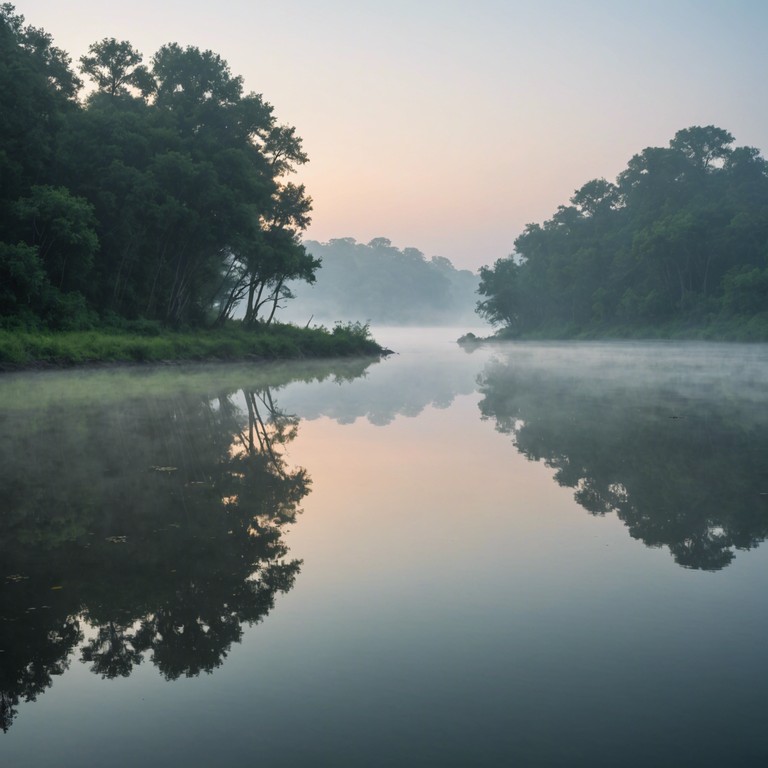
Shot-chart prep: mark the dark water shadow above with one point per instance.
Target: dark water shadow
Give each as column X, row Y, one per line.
column 672, row 439
column 142, row 525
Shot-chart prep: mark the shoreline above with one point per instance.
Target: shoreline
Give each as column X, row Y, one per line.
column 40, row 351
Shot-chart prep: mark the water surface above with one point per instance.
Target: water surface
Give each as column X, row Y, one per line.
column 534, row 554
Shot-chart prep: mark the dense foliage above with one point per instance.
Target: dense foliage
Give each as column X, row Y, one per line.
column 160, row 196
column 680, row 240
column 384, row 284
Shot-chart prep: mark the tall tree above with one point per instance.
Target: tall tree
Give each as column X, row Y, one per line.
column 671, row 242
column 115, row 67
column 174, row 207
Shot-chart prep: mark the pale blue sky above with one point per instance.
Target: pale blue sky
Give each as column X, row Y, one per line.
column 449, row 125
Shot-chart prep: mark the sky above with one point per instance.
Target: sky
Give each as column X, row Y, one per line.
column 448, row 125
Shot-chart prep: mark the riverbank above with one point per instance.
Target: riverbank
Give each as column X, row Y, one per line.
column 39, row 349
column 754, row 329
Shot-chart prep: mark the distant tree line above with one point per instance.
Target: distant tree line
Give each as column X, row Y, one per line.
column 160, row 196
column 680, row 238
column 384, row 284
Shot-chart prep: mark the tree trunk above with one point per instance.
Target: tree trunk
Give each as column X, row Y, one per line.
column 276, row 299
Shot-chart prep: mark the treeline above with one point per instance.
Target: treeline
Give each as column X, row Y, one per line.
column 161, row 196
column 382, row 283
column 680, row 241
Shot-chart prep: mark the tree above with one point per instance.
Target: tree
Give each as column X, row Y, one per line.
column 52, row 61
column 196, row 87
column 656, row 247
column 37, row 92
column 115, row 67
column 703, row 146
column 501, row 286
column 61, row 227
column 173, row 208
column 23, row 282
column 595, row 196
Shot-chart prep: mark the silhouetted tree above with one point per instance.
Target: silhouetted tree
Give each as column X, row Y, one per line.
column 679, row 237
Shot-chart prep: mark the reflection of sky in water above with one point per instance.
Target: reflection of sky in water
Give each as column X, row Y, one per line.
column 427, row 368
column 455, row 606
column 485, row 615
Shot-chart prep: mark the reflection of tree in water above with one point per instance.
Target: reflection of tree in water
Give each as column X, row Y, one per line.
column 399, row 387
column 680, row 469
column 154, row 528
column 36, row 639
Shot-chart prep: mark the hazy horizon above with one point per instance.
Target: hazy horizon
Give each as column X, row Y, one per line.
column 448, row 126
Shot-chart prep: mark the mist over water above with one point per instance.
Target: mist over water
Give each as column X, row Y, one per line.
column 544, row 554
column 687, row 367
column 672, row 438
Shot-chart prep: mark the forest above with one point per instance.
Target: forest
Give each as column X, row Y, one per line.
column 677, row 245
column 384, row 284
column 156, row 194
column 146, row 196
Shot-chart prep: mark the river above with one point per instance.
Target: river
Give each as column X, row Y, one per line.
column 517, row 554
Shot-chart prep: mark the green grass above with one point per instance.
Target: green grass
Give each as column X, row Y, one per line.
column 20, row 349
column 745, row 329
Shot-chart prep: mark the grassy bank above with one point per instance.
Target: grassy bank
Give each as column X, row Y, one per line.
column 753, row 329
column 22, row 349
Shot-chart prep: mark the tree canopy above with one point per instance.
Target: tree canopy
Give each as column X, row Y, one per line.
column 162, row 194
column 681, row 238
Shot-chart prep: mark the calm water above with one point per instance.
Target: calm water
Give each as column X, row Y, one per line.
column 521, row 555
